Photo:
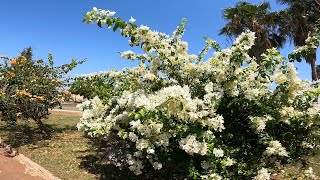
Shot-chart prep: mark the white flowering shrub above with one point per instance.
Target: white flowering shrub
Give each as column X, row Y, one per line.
column 179, row 116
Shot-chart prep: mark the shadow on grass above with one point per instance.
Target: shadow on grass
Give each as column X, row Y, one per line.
column 22, row 134
column 93, row 165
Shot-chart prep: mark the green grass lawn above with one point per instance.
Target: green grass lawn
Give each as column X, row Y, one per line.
column 62, row 153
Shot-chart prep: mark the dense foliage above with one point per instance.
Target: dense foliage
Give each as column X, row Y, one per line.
column 92, row 85
column 178, row 116
column 28, row 88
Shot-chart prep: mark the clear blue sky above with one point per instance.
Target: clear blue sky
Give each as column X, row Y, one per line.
column 55, row 26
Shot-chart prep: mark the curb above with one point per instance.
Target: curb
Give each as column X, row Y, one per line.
column 35, row 169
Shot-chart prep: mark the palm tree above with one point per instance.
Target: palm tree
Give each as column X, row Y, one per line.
column 297, row 24
column 257, row 18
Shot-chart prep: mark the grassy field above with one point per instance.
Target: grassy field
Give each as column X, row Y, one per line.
column 64, row 152
column 67, row 154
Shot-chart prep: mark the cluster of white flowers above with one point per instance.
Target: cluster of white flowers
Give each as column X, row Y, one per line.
column 92, row 109
column 229, row 162
column 212, row 176
column 312, row 43
column 245, row 40
column 135, row 165
column 289, row 113
column 191, row 145
column 307, row 145
column 176, row 97
column 263, row 174
column 309, row 173
column 259, row 123
column 313, row 111
column 218, row 152
column 276, row 148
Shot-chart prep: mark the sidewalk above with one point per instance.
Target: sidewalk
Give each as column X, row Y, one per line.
column 12, row 169
column 22, row 168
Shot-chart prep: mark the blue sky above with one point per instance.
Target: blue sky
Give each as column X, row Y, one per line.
column 55, row 26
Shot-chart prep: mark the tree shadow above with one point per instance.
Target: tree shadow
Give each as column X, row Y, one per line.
column 21, row 134
column 104, row 171
column 106, row 160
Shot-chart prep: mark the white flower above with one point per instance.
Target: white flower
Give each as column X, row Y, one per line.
column 128, row 54
column 218, row 152
column 111, row 13
column 307, row 145
column 103, row 13
column 229, row 162
column 94, row 9
column 262, row 175
column 143, row 27
column 309, row 173
column 157, row 165
column 259, row 123
column 132, row 20
column 150, row 151
column 275, row 148
column 190, row 145
column 142, row 144
column 133, row 137
column 135, row 124
column 212, row 176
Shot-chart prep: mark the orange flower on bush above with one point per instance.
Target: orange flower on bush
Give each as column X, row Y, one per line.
column 23, row 92
column 21, row 58
column 67, row 92
column 12, row 74
column 41, row 98
column 13, row 62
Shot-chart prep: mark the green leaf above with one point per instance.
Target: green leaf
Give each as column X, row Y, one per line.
column 133, row 39
column 116, row 26
column 137, row 116
column 109, row 22
column 99, row 23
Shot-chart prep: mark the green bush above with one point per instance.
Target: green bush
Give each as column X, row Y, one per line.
column 30, row 87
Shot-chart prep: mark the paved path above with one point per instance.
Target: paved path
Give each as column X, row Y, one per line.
column 13, row 169
column 21, row 167
column 65, row 112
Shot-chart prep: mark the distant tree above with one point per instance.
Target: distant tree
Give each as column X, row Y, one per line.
column 101, row 85
column 298, row 23
column 257, row 18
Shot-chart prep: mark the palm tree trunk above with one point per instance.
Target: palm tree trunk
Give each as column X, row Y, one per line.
column 314, row 70
column 314, row 67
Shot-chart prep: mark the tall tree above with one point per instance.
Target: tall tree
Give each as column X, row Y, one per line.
column 257, row 18
column 297, row 24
